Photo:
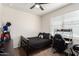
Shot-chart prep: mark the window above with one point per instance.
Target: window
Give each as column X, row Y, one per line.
column 66, row 21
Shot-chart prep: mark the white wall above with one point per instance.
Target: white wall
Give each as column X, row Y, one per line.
column 22, row 23
column 46, row 18
column 0, row 14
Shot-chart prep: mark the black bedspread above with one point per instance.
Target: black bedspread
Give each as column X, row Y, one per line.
column 38, row 43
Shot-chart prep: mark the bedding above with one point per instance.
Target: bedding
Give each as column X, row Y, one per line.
column 38, row 43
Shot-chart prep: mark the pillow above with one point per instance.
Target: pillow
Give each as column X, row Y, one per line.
column 40, row 36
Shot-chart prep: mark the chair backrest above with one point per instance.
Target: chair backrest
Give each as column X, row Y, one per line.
column 59, row 43
column 58, row 37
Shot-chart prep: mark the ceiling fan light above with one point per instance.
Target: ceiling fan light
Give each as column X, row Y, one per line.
column 37, row 6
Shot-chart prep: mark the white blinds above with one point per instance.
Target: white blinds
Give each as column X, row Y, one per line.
column 66, row 21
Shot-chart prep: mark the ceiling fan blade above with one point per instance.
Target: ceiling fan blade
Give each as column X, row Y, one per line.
column 41, row 7
column 32, row 6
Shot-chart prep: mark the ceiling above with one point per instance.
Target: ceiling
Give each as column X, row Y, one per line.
column 37, row 11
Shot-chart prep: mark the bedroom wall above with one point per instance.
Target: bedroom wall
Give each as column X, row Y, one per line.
column 0, row 13
column 46, row 18
column 23, row 23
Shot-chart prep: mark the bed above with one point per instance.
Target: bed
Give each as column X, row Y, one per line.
column 35, row 43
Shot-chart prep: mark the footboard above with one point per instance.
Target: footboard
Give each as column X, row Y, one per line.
column 25, row 45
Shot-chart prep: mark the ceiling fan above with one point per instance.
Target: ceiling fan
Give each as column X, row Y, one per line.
column 38, row 5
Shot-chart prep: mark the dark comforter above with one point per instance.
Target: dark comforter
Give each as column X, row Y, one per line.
column 37, row 43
